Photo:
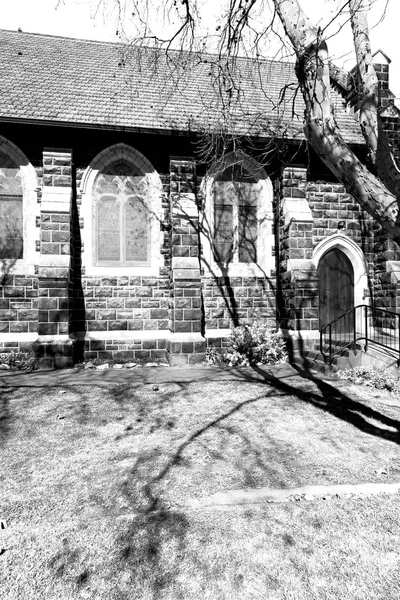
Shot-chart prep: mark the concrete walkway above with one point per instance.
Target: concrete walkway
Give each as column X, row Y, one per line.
column 146, row 375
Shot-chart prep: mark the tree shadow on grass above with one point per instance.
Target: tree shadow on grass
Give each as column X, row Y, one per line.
column 338, row 404
column 154, row 544
column 159, row 531
column 5, row 415
column 151, row 546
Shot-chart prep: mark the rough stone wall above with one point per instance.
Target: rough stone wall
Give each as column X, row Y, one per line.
column 298, row 292
column 186, row 312
column 186, row 344
column 330, row 210
column 232, row 301
column 18, row 306
column 126, row 303
column 386, row 284
column 57, row 169
column 54, row 270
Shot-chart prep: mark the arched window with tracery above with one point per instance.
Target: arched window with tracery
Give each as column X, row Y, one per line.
column 237, row 223
column 122, row 215
column 11, row 209
column 235, row 207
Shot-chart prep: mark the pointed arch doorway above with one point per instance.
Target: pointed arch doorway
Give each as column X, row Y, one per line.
column 336, row 288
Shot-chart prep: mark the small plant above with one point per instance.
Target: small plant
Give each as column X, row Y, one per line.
column 381, row 380
column 255, row 343
column 213, row 357
column 18, row 361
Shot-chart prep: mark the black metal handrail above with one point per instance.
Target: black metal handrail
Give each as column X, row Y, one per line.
column 361, row 323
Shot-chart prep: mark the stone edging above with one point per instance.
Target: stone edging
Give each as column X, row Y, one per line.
column 308, row 492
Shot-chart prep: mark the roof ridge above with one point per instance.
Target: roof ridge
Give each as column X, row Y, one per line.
column 59, row 37
column 128, row 45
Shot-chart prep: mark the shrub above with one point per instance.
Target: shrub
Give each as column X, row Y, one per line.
column 18, row 361
column 381, row 380
column 256, row 343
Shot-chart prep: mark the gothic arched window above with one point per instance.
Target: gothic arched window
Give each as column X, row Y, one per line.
column 235, row 207
column 122, row 216
column 236, row 224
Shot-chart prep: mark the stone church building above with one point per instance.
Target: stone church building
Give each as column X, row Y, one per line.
column 148, row 206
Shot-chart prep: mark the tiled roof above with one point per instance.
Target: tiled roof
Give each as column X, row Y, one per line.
column 64, row 80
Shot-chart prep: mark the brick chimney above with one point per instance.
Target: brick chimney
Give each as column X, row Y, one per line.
column 381, row 64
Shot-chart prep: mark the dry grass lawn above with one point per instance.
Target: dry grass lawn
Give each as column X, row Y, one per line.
column 94, row 483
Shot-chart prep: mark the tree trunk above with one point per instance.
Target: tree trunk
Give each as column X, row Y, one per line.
column 380, row 152
column 320, row 127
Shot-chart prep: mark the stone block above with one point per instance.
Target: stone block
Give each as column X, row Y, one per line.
column 186, row 274
column 161, row 313
column 61, row 180
column 144, row 291
column 57, row 316
column 14, row 292
column 192, row 315
column 97, row 345
column 60, row 218
column 142, row 354
column 196, row 358
column 133, row 303
column 47, row 329
column 97, row 325
column 187, row 347
column 117, row 325
column 159, row 355
column 19, row 327
column 149, row 344
column 182, row 327
column 59, row 236
column 124, row 315
column 181, row 251
column 178, row 360
column 27, row 315
column 50, row 248
column 103, row 293
column 135, row 325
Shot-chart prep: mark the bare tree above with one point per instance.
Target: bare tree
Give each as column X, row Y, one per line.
column 250, row 23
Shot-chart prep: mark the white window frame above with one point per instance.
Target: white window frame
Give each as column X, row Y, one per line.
column 30, row 210
column 265, row 239
column 89, row 256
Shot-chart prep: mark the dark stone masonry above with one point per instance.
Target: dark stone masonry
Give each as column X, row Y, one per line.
column 136, row 248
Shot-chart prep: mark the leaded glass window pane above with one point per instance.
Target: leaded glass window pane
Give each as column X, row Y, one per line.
column 247, row 234
column 136, row 230
column 108, row 230
column 223, row 233
column 11, row 227
column 11, row 210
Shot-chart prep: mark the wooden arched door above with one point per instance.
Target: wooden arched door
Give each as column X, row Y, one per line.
column 336, row 288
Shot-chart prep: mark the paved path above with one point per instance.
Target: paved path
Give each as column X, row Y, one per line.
column 145, row 375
